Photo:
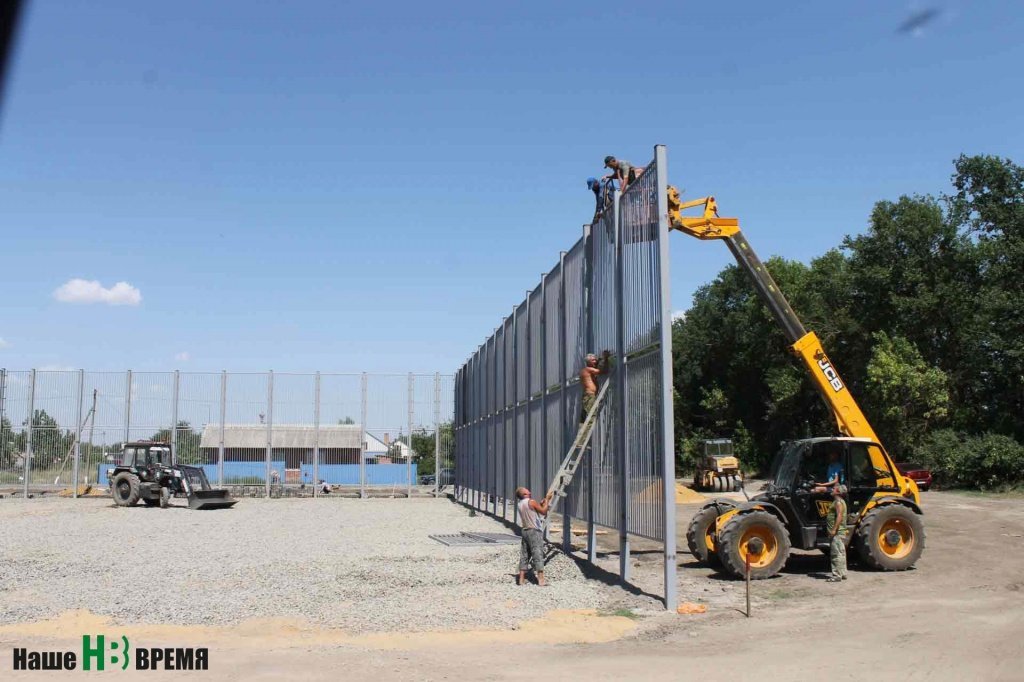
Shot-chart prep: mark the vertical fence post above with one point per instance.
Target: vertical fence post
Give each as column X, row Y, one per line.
column 28, row 439
column 515, row 416
column 408, row 459
column 270, row 432
column 3, row 407
column 362, row 438
column 174, row 416
column 563, row 393
column 529, row 395
column 223, row 416
column 588, row 291
column 543, row 332
column 667, row 426
column 437, row 433
column 316, row 435
column 128, row 407
column 75, row 466
column 620, row 389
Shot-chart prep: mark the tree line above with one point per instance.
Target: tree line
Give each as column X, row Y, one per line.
column 923, row 315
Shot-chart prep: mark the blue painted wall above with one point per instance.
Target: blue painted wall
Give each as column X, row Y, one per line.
column 336, row 474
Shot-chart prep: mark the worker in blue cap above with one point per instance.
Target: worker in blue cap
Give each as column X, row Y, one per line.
column 602, row 194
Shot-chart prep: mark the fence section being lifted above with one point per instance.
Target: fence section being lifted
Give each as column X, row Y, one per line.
column 518, row 402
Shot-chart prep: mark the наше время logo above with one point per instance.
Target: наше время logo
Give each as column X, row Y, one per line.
column 100, row 653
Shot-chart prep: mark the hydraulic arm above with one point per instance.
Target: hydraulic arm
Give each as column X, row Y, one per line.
column 804, row 344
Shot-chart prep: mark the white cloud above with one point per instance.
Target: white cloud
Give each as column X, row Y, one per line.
column 91, row 291
column 678, row 315
column 183, row 356
column 3, row 343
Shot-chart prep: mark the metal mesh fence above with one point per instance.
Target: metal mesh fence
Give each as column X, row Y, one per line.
column 259, row 433
column 518, row 397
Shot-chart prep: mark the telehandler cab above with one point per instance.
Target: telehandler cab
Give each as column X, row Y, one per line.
column 884, row 505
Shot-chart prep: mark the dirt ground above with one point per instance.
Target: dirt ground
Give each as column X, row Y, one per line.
column 959, row 615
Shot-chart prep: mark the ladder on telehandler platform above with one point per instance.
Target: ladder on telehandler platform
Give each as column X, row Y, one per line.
column 573, row 459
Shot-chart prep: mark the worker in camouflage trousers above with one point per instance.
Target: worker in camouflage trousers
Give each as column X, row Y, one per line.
column 839, row 533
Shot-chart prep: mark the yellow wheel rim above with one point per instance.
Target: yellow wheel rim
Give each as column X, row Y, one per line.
column 903, row 545
column 771, row 546
column 709, row 538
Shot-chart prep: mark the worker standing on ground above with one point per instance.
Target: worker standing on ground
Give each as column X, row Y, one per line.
column 531, row 550
column 835, row 522
column 588, row 381
column 623, row 171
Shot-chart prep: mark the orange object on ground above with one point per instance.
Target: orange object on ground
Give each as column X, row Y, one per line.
column 686, row 608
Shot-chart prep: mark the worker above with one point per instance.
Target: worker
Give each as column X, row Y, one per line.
column 835, row 473
column 603, row 191
column 275, row 483
column 838, row 533
column 531, row 550
column 623, row 171
column 588, row 381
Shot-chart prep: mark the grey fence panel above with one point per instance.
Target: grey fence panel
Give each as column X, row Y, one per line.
column 553, row 341
column 536, row 447
column 646, row 513
column 15, row 410
column 575, row 343
column 536, row 306
column 641, row 301
column 522, row 360
column 508, row 334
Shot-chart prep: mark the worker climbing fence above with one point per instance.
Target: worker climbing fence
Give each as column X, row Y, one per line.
column 262, row 434
column 518, row 397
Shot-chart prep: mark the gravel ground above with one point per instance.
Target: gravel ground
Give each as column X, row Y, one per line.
column 362, row 565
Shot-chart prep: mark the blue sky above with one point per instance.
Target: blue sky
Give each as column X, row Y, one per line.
column 319, row 185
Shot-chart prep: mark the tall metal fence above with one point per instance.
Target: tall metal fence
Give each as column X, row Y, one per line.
column 263, row 433
column 517, row 399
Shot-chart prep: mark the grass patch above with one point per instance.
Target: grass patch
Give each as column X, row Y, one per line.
column 623, row 613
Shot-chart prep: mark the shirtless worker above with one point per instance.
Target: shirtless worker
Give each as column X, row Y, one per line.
column 588, row 380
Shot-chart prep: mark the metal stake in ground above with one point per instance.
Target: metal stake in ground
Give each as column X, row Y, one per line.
column 754, row 546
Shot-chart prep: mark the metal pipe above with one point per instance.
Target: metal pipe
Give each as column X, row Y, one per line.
column 223, row 411
column 270, row 432
column 408, row 459
column 28, row 440
column 78, row 435
column 667, row 426
column 316, row 435
column 128, row 407
column 362, row 438
column 437, row 434
column 620, row 389
column 174, row 418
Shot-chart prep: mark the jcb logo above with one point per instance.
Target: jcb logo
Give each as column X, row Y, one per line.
column 830, row 374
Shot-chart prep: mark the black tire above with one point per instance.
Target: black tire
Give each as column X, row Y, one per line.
column 697, row 538
column 871, row 537
column 718, row 484
column 165, row 498
column 736, row 484
column 125, row 489
column 740, row 530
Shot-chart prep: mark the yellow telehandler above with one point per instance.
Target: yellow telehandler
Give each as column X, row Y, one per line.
column 884, row 505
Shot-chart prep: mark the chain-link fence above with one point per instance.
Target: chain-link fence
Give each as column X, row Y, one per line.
column 518, row 398
column 261, row 434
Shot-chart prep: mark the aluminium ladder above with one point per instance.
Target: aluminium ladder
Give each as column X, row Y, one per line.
column 573, row 459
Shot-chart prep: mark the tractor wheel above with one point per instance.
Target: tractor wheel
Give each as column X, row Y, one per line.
column 165, row 498
column 736, row 484
column 741, row 535
column 700, row 534
column 718, row 484
column 890, row 538
column 125, row 489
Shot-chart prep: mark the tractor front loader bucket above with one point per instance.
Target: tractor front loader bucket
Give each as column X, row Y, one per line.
column 210, row 499
column 200, row 494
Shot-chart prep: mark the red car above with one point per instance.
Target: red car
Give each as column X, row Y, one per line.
column 921, row 476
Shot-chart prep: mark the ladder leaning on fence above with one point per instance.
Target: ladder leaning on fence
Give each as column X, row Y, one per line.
column 573, row 459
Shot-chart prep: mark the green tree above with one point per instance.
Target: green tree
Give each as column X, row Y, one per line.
column 187, row 451
column 907, row 396
column 347, row 420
